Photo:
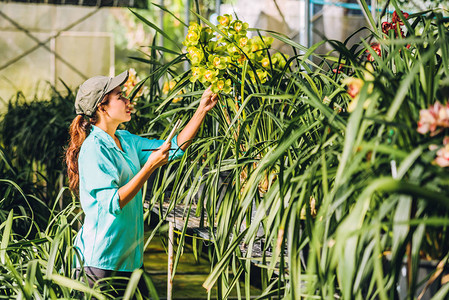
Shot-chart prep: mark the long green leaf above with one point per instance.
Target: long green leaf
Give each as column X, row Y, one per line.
column 6, row 236
column 132, row 284
column 221, row 265
column 76, row 285
column 158, row 30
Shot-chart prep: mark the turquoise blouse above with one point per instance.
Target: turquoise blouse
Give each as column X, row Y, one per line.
column 112, row 238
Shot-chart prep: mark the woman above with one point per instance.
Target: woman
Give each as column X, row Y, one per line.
column 108, row 168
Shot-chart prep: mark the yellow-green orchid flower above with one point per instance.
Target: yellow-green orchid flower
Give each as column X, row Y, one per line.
column 195, row 55
column 224, row 21
column 218, row 62
column 197, row 72
column 238, row 28
column 209, row 76
column 222, row 86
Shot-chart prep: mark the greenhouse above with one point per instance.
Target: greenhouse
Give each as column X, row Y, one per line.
column 228, row 149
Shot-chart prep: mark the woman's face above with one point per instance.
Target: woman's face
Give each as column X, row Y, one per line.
column 118, row 107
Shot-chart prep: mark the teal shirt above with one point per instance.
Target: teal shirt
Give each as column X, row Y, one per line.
column 112, row 238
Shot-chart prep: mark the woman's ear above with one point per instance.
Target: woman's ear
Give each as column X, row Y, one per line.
column 101, row 106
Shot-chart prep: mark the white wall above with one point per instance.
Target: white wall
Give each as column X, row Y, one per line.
column 288, row 18
column 82, row 51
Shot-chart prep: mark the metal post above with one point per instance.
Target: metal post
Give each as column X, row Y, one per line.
column 374, row 9
column 53, row 62
column 217, row 7
column 171, row 234
column 187, row 14
column 186, row 30
column 307, row 29
column 310, row 23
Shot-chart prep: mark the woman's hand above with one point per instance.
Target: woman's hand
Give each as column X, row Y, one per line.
column 159, row 157
column 208, row 100
column 155, row 160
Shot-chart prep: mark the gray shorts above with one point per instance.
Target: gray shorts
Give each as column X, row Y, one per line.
column 112, row 283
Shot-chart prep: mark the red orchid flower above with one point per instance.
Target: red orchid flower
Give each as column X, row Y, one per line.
column 397, row 19
column 377, row 49
column 386, row 26
column 338, row 70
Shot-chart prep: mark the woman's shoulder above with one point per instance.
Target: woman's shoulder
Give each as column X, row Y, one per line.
column 94, row 150
column 125, row 134
column 92, row 142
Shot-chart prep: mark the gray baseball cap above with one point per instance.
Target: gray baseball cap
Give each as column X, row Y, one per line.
column 92, row 91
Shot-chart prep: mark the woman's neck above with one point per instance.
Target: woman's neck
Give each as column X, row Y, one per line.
column 108, row 127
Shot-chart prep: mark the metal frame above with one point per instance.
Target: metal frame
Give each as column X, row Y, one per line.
column 311, row 17
column 171, row 240
column 43, row 43
column 98, row 3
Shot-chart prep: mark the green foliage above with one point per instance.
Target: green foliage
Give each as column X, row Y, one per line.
column 39, row 266
column 337, row 196
column 33, row 134
column 321, row 166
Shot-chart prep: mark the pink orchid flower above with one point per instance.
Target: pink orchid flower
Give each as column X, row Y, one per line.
column 442, row 158
column 430, row 119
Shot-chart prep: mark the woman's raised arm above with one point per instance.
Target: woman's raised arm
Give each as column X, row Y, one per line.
column 208, row 101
